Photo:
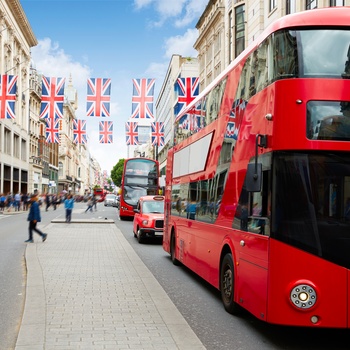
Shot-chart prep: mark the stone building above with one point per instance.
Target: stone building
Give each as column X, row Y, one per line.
column 16, row 39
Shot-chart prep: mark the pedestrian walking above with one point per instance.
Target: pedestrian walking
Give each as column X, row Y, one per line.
column 47, row 201
column 89, row 205
column 17, row 201
column 54, row 201
column 2, row 202
column 94, row 202
column 34, row 217
column 24, row 200
column 69, row 205
column 9, row 201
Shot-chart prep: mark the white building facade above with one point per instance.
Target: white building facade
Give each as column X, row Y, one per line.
column 16, row 39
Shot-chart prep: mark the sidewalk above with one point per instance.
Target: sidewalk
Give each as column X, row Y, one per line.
column 88, row 289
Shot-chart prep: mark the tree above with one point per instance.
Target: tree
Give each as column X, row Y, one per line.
column 117, row 172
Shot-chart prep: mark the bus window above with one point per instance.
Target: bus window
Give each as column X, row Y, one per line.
column 262, row 65
column 314, row 220
column 213, row 102
column 244, row 82
column 328, row 120
column 330, row 44
column 285, row 55
column 254, row 208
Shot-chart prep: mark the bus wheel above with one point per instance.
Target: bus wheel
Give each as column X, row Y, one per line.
column 139, row 236
column 227, row 284
column 172, row 250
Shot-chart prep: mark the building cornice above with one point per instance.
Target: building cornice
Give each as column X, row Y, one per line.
column 210, row 27
column 22, row 21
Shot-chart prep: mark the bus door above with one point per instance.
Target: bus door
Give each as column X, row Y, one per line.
column 253, row 246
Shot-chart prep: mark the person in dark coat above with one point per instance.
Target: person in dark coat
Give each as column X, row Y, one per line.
column 34, row 217
column 47, row 201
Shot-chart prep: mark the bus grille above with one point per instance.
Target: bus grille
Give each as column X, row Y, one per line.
column 159, row 224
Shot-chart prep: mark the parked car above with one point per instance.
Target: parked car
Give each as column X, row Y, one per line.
column 149, row 217
column 110, row 200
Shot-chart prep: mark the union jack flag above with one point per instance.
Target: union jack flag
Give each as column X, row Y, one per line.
column 52, row 98
column 157, row 133
column 79, row 131
column 142, row 99
column 238, row 109
column 132, row 133
column 231, row 131
column 98, row 97
column 52, row 130
column 8, row 89
column 193, row 120
column 106, row 132
column 187, row 89
column 190, row 122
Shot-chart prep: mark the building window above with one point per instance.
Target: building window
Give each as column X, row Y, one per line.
column 311, row 4
column 16, row 146
column 336, row 3
column 7, row 141
column 23, row 149
column 273, row 5
column 240, row 29
column 230, row 37
column 290, row 7
column 60, row 169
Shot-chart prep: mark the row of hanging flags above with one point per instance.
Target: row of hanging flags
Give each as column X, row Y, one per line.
column 98, row 105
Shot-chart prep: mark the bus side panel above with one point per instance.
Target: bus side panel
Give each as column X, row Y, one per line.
column 289, row 267
column 203, row 248
column 126, row 210
column 252, row 272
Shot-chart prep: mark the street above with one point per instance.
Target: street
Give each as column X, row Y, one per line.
column 199, row 303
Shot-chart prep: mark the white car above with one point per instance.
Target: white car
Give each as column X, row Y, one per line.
column 110, row 200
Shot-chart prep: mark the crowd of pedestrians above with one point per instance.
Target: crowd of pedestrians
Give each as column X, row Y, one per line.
column 21, row 201
column 15, row 202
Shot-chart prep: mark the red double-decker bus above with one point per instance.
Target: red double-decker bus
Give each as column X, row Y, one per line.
column 258, row 181
column 140, row 178
column 99, row 194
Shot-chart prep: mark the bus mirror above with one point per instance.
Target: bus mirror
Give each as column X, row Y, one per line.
column 253, row 177
column 136, row 211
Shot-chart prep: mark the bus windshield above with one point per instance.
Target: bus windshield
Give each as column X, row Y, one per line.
column 297, row 53
column 133, row 193
column 331, row 45
column 317, row 220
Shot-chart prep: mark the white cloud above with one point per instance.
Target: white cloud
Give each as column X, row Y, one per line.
column 183, row 11
column 193, row 11
column 182, row 45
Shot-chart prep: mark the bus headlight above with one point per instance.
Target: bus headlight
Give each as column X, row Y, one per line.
column 303, row 296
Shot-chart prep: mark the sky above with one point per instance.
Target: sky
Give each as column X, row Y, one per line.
column 117, row 39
